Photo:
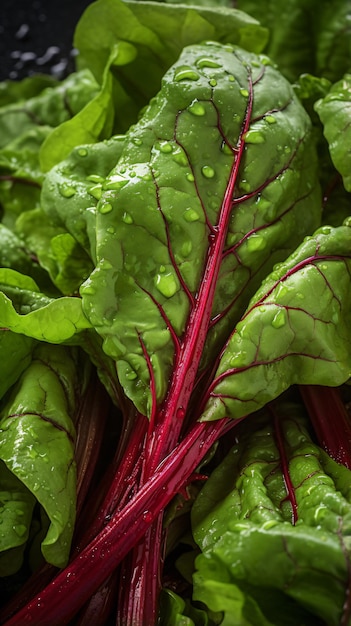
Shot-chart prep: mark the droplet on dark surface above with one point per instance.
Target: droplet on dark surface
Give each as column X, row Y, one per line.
column 22, row 32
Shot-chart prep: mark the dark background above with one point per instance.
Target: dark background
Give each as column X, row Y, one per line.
column 36, row 36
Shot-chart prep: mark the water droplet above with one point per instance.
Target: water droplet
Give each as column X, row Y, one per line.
column 213, row 82
column 245, row 185
column 87, row 289
column 20, row 530
column 83, row 152
column 190, row 178
column 254, row 136
column 207, row 62
column 95, row 178
column 226, row 149
column 96, row 191
column 115, row 182
column 67, row 191
column 207, row 171
column 180, row 413
column 147, row 516
column 165, row 146
column 32, row 453
column 186, row 248
column 131, row 375
column 127, row 218
column 270, row 119
column 111, row 230
column 231, row 78
column 106, row 207
column 185, row 73
column 166, row 284
column 196, row 108
column 279, row 319
column 180, row 157
column 190, row 215
column 256, row 242
column 137, row 141
column 244, row 92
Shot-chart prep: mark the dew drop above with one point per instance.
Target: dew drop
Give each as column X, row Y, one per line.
column 185, row 73
column 207, row 62
column 213, row 82
column 190, row 215
column 67, row 191
column 190, row 178
column 207, row 171
column 95, row 178
column 20, row 530
column 226, row 149
column 127, row 218
column 279, row 319
column 270, row 119
column 96, row 191
column 83, row 152
column 106, row 207
column 165, row 147
column 256, row 242
column 166, row 284
column 180, row 157
column 137, row 141
column 87, row 289
column 254, row 136
column 186, row 248
column 131, row 374
column 147, row 516
column 196, row 108
column 244, row 92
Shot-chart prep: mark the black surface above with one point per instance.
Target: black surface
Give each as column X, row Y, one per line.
column 36, row 36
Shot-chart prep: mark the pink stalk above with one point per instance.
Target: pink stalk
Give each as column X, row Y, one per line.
column 330, row 421
column 60, row 601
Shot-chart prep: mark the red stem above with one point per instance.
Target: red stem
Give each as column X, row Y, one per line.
column 68, row 592
column 330, row 421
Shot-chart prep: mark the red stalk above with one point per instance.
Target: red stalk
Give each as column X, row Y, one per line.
column 330, row 421
column 68, row 592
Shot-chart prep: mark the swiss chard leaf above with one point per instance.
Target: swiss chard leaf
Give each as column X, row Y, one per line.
column 149, row 37
column 25, row 310
column 334, row 111
column 193, row 201
column 295, row 330
column 273, row 523
column 322, row 31
column 37, row 440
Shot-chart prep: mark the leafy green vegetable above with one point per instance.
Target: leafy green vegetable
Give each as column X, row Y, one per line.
column 201, row 139
column 157, row 217
column 242, row 521
column 37, row 445
column 335, row 112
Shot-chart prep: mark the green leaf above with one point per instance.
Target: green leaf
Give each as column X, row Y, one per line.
column 242, row 521
column 37, row 441
column 168, row 194
column 334, row 111
column 50, row 107
column 150, row 36
column 92, row 122
column 71, row 191
column 295, row 330
column 16, row 509
column 24, row 310
column 322, row 31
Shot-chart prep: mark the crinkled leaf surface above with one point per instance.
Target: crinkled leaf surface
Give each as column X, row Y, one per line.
column 243, row 516
column 215, row 183
column 92, row 122
column 72, row 189
column 295, row 330
column 37, row 441
column 150, row 36
column 335, row 113
column 50, row 107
